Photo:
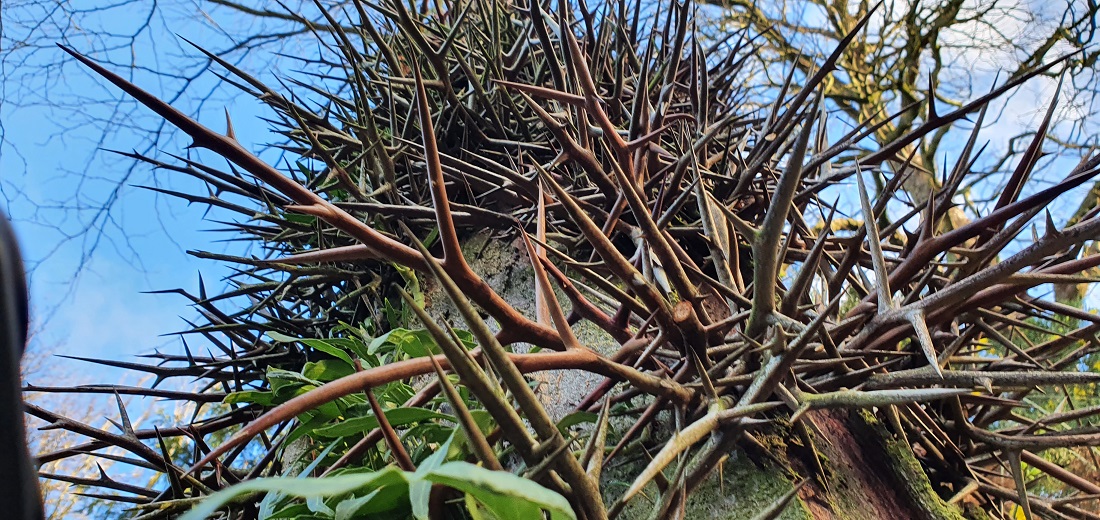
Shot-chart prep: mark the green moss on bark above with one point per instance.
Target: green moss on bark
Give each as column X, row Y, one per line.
column 906, row 471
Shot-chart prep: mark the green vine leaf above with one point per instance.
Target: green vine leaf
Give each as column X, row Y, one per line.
column 505, row 494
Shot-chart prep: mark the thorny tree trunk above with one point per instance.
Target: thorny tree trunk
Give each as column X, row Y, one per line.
column 870, row 473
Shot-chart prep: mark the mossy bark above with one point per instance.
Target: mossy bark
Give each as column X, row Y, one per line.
column 870, row 474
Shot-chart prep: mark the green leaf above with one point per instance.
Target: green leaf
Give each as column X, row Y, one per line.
column 310, row 422
column 376, row 344
column 397, row 392
column 412, row 283
column 366, row 423
column 353, row 345
column 576, row 418
column 251, row 396
column 330, row 410
column 466, row 338
column 414, row 343
column 429, row 433
column 484, row 421
column 280, row 337
column 476, row 510
column 395, row 316
column 293, row 511
column 327, row 370
column 296, row 218
column 328, row 346
column 279, row 378
column 350, row 509
column 317, row 505
column 390, row 502
column 302, row 488
column 505, row 494
column 267, row 505
column 420, row 490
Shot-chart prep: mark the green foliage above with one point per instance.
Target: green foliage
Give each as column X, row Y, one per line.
column 392, row 493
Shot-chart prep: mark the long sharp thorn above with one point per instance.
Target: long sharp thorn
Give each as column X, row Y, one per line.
column 805, row 277
column 404, row 461
column 549, row 300
column 452, row 249
column 1052, row 228
column 597, row 444
column 767, row 242
column 932, row 116
column 542, row 311
column 882, row 279
column 480, row 383
column 1021, row 484
column 1032, row 154
column 679, row 442
column 126, row 427
column 232, row 151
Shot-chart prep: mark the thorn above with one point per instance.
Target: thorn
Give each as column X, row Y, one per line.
column 546, row 302
column 169, row 470
column 882, row 278
column 1052, row 229
column 229, row 127
column 126, row 427
column 594, row 453
column 986, row 384
column 797, row 415
column 780, row 504
column 932, row 116
column 187, row 352
column 1021, row 484
column 928, row 224
column 916, row 318
column 542, row 311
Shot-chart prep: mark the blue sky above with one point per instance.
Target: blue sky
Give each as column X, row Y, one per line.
column 86, row 288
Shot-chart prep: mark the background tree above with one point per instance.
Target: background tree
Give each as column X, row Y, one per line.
column 919, row 55
column 947, row 51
